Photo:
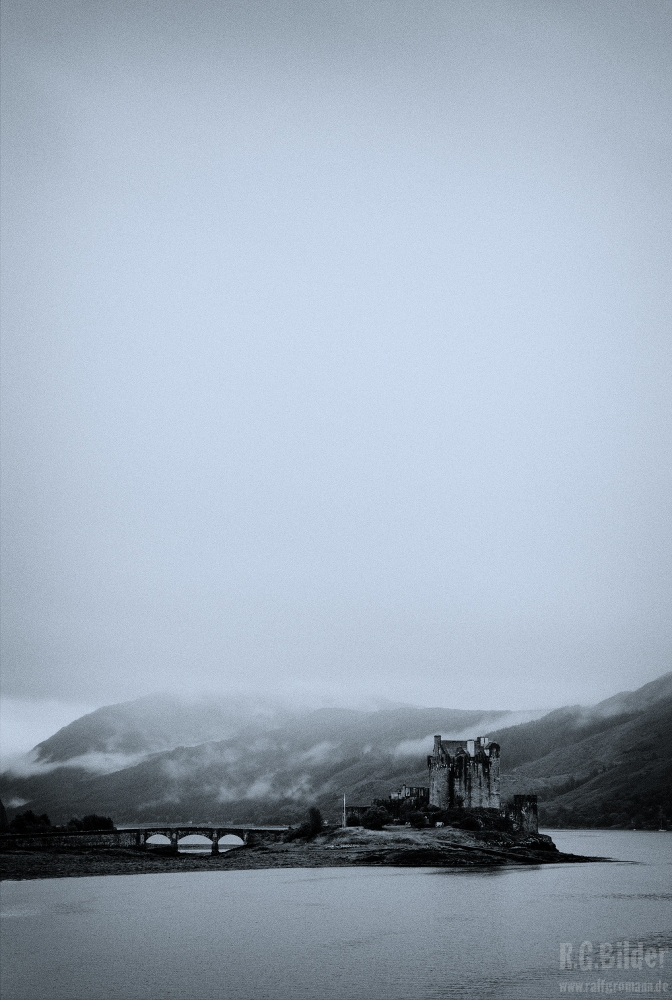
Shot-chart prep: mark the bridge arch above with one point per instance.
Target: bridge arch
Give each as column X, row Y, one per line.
column 195, row 843
column 204, row 835
column 231, row 840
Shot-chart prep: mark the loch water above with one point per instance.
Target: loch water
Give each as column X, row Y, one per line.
column 349, row 933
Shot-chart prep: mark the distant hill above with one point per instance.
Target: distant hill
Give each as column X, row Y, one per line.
column 602, row 766
column 238, row 761
column 155, row 722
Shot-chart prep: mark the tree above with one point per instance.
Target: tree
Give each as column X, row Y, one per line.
column 309, row 829
column 28, row 822
column 93, row 822
column 314, row 820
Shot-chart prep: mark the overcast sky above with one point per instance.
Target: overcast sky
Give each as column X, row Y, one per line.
column 337, row 349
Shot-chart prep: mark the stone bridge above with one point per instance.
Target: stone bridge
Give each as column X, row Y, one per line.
column 248, row 834
column 137, row 836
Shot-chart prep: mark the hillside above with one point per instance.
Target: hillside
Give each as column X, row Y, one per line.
column 604, row 765
column 610, row 764
column 268, row 767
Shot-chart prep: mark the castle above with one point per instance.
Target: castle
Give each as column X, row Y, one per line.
column 464, row 774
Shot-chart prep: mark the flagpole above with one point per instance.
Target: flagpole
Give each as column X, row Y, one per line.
column 344, row 823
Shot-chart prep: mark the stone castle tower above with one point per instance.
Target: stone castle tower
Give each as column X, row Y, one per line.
column 464, row 774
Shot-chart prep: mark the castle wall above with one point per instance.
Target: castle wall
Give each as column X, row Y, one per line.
column 464, row 774
column 439, row 785
column 521, row 814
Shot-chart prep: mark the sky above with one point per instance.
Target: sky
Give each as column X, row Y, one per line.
column 336, row 351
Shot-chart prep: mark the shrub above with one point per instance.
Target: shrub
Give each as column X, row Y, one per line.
column 375, row 818
column 417, row 819
column 470, row 823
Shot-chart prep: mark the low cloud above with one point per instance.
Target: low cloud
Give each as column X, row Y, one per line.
column 423, row 746
column 227, row 794
column 28, row 765
column 260, row 789
column 506, row 721
column 175, row 770
column 320, row 753
column 300, row 789
column 414, row 748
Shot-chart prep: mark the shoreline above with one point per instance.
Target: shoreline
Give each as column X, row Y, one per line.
column 381, row 851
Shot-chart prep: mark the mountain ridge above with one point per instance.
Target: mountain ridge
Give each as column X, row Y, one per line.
column 607, row 764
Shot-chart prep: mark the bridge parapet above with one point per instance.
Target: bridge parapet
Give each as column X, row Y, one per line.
column 73, row 839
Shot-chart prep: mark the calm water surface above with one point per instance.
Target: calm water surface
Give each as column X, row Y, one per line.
column 346, row 933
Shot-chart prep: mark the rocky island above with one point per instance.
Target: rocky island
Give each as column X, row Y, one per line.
column 444, row 847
